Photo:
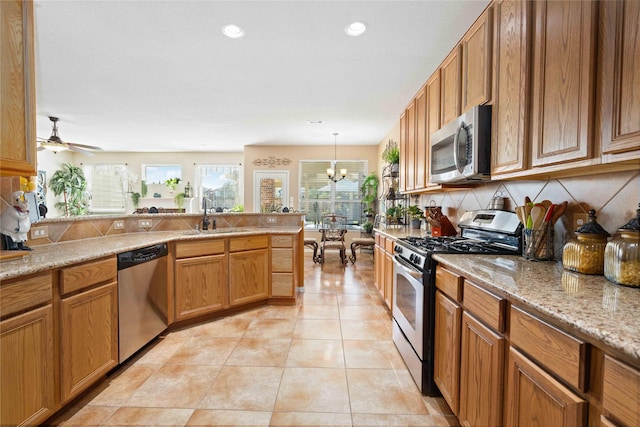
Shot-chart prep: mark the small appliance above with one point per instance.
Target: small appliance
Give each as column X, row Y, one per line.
column 461, row 149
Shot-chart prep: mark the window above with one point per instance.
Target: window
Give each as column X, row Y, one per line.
column 319, row 195
column 158, row 174
column 107, row 185
column 220, row 185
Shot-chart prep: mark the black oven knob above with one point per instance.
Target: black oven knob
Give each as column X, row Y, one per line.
column 412, row 258
column 398, row 249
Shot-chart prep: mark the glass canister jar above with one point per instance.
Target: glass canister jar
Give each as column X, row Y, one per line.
column 585, row 253
column 622, row 255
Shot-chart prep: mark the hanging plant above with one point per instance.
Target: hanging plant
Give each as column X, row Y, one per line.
column 72, row 184
column 369, row 190
column 391, row 154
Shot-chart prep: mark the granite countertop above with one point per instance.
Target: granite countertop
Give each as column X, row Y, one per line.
column 591, row 305
column 46, row 257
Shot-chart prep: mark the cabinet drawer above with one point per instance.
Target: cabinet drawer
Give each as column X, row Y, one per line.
column 388, row 245
column 25, row 293
column 449, row 283
column 281, row 260
column 620, row 392
column 199, row 248
column 485, row 306
column 281, row 241
column 559, row 352
column 88, row 274
column 247, row 243
column 282, row 284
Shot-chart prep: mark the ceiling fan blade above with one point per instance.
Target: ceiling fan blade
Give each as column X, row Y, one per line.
column 75, row 148
column 40, row 148
column 88, row 147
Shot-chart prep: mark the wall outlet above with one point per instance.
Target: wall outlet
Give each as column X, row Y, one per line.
column 272, row 220
column 579, row 219
column 144, row 223
column 118, row 225
column 39, row 232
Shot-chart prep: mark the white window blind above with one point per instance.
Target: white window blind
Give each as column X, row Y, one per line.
column 107, row 185
column 319, row 195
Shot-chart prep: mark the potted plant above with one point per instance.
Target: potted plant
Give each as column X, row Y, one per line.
column 171, row 183
column 369, row 190
column 391, row 155
column 367, row 228
column 416, row 215
column 72, row 184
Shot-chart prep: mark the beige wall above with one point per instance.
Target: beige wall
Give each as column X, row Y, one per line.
column 295, row 154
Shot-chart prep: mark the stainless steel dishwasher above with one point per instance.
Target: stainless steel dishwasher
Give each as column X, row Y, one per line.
column 142, row 297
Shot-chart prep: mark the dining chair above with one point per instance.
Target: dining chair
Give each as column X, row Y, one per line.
column 334, row 227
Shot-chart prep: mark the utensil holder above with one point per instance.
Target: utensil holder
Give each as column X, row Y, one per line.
column 538, row 243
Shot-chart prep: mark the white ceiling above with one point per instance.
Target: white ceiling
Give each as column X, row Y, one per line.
column 159, row 76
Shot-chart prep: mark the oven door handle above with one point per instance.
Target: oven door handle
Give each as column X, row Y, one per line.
column 410, row 270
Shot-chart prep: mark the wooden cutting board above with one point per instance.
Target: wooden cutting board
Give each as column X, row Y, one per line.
column 9, row 255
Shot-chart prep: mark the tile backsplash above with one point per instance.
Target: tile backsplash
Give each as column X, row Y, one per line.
column 613, row 196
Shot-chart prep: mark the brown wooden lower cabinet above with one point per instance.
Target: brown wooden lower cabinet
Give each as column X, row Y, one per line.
column 248, row 276
column 534, row 398
column 27, row 367
column 88, row 338
column 446, row 371
column 621, row 392
column 200, row 285
column 481, row 374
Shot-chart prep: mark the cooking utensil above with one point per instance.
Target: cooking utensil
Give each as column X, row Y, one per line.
column 537, row 216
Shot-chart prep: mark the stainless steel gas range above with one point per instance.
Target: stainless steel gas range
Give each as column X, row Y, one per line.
column 482, row 232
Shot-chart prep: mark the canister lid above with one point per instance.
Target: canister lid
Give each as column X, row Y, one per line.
column 592, row 226
column 634, row 224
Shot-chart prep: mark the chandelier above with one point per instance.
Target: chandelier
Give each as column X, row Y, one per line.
column 330, row 172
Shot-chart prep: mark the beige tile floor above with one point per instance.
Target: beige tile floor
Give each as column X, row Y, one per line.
column 329, row 361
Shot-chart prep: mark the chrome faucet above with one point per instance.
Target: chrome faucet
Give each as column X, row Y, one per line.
column 205, row 218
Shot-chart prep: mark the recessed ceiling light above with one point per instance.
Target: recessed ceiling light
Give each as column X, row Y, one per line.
column 233, row 31
column 315, row 122
column 355, row 28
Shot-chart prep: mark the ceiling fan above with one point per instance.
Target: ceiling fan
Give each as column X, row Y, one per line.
column 55, row 144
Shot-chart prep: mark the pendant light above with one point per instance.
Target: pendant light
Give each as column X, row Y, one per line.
column 330, row 172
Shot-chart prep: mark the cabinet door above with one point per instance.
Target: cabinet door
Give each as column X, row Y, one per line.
column 248, row 276
column 409, row 155
column 18, row 101
column 88, row 338
column 388, row 279
column 450, row 87
column 27, row 368
column 432, row 91
column 446, row 369
column 422, row 144
column 619, row 76
column 509, row 143
column 403, row 146
column 562, row 84
column 200, row 285
column 481, row 374
column 532, row 394
column 476, row 61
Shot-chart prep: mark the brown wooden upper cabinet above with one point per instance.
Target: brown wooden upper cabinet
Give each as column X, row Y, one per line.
column 476, row 61
column 562, row 84
column 511, row 87
column 619, row 59
column 403, row 152
column 17, row 88
column 410, row 152
column 450, row 87
column 422, row 141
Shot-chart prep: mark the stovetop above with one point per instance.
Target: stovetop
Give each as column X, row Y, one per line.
column 482, row 232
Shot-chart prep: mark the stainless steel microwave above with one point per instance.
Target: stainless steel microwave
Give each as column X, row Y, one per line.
column 461, row 149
